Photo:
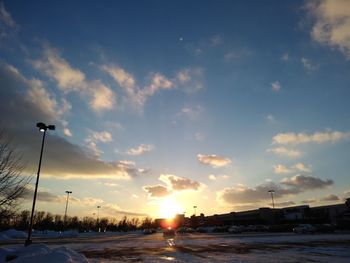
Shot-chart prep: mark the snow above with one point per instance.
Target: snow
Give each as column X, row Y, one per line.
column 40, row 253
column 11, row 233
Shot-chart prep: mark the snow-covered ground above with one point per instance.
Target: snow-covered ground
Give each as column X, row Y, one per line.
column 115, row 247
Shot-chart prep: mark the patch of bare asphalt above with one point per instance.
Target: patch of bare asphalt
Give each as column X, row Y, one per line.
column 137, row 253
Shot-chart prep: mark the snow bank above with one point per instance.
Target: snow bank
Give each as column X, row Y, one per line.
column 12, row 233
column 40, row 253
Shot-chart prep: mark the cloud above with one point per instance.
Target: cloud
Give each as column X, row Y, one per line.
column 285, row 57
column 91, row 201
column 32, row 96
column 67, row 132
column 62, row 159
column 309, row 201
column 301, row 167
column 188, row 79
column 102, row 97
column 276, row 86
column 67, row 78
column 285, row 151
column 284, row 204
column 308, row 65
column 124, row 79
column 42, row 195
column 330, row 198
column 156, row 191
column 8, row 26
column 177, row 183
column 199, row 136
column 236, row 53
column 141, row 149
column 305, row 182
column 216, row 40
column 270, row 118
column 217, row 177
column 71, row 79
column 191, row 112
column 213, row 160
column 113, row 210
column 298, row 167
column 246, row 195
column 98, row 137
column 317, row 137
column 331, row 24
column 281, row 169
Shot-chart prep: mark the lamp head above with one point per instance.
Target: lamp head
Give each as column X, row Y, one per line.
column 271, row 191
column 42, row 127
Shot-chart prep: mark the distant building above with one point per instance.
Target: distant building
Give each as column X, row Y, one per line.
column 267, row 216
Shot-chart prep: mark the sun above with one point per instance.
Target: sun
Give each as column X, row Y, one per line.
column 168, row 208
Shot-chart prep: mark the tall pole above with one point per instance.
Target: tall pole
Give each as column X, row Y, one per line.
column 29, row 241
column 98, row 217
column 65, row 212
column 195, row 210
column 272, row 192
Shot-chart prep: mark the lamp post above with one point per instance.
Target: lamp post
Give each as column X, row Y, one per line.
column 65, row 212
column 195, row 209
column 272, row 192
column 43, row 128
column 98, row 217
column 98, row 213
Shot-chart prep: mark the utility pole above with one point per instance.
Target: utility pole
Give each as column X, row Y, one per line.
column 65, row 212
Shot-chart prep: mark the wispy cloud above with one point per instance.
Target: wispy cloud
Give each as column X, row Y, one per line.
column 298, row 167
column 332, row 23
column 213, row 160
column 286, row 152
column 8, row 26
column 276, row 86
column 141, row 149
column 217, row 177
column 317, row 137
column 191, row 112
column 97, row 137
column 67, row 78
column 285, row 57
column 308, row 65
column 70, row 79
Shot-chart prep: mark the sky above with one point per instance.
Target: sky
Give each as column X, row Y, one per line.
column 163, row 106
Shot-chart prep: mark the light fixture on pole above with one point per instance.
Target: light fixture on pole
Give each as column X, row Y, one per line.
column 65, row 212
column 43, row 128
column 272, row 192
column 98, row 213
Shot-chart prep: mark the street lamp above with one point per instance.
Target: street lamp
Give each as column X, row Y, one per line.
column 98, row 213
column 65, row 212
column 98, row 218
column 195, row 209
column 272, row 192
column 43, row 128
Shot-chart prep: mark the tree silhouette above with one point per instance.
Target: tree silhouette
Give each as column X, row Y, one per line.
column 12, row 182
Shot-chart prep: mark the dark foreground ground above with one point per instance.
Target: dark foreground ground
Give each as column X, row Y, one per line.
column 253, row 247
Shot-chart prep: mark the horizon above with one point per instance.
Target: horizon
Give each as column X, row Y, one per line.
column 178, row 107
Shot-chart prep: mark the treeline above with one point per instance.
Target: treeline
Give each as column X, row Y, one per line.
column 48, row 221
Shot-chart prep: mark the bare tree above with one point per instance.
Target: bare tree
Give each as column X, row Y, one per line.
column 12, row 182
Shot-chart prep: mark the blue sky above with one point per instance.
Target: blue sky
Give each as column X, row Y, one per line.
column 206, row 103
